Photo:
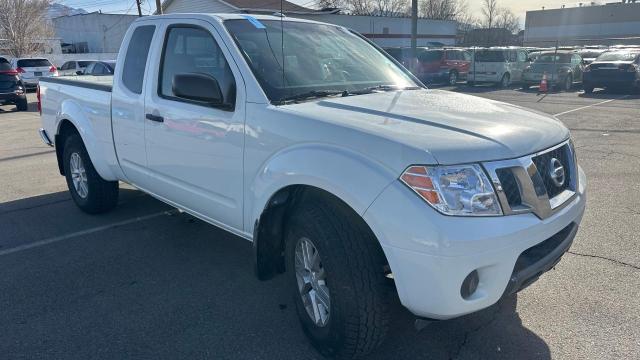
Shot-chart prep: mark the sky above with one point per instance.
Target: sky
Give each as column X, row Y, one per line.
column 519, row 7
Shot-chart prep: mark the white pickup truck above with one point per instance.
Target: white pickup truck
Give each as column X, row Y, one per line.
column 345, row 172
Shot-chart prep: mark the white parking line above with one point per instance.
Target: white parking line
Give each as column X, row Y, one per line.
column 83, row 232
column 592, row 105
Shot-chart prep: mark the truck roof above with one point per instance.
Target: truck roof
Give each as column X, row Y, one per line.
column 220, row 17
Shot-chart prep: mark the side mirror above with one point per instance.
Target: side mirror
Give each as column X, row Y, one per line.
column 79, row 72
column 197, row 87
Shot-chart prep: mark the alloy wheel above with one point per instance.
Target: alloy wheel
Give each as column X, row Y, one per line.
column 312, row 285
column 79, row 175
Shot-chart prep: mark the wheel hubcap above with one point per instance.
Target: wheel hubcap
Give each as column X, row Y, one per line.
column 312, row 284
column 79, row 176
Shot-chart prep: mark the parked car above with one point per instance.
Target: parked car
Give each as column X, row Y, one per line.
column 563, row 69
column 440, row 65
column 31, row 70
column 100, row 68
column 501, row 66
column 12, row 90
column 613, row 69
column 340, row 168
column 589, row 55
column 74, row 67
column 443, row 65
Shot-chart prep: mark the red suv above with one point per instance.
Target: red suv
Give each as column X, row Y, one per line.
column 436, row 65
column 443, row 65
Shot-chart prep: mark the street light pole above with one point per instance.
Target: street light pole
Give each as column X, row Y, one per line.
column 158, row 7
column 139, row 9
column 414, row 32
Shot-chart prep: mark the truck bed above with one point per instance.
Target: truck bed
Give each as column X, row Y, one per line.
column 101, row 83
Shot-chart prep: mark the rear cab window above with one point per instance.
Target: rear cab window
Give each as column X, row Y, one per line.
column 136, row 60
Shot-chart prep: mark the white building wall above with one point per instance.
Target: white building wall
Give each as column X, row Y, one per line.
column 572, row 26
column 103, row 33
column 385, row 31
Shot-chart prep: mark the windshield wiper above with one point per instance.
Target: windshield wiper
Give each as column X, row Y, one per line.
column 313, row 94
column 372, row 89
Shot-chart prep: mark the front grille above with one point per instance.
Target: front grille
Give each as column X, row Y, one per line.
column 543, row 163
column 510, row 187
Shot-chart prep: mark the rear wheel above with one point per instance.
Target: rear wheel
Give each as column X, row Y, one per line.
column 22, row 104
column 505, row 81
column 335, row 269
column 91, row 193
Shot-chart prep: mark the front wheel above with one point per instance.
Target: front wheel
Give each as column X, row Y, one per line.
column 568, row 83
column 453, row 78
column 335, row 270
column 91, row 193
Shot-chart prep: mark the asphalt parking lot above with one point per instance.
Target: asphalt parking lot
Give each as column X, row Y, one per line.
column 145, row 282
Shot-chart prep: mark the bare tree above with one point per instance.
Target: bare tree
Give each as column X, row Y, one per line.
column 367, row 7
column 506, row 19
column 24, row 25
column 440, row 9
column 489, row 11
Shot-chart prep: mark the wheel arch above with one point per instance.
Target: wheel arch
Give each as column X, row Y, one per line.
column 270, row 228
column 72, row 119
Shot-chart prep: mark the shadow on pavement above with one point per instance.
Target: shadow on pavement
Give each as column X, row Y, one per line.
column 176, row 286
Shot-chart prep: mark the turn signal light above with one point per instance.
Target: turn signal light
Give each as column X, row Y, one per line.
column 416, row 177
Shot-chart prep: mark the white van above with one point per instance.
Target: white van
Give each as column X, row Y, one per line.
column 501, row 66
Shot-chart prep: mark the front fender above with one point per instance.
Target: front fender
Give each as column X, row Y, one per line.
column 92, row 119
column 354, row 178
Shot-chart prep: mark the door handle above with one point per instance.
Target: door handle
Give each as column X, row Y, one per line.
column 156, row 118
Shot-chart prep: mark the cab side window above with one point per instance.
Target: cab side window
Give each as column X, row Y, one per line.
column 191, row 49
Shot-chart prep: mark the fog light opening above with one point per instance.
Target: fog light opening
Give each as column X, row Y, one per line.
column 469, row 285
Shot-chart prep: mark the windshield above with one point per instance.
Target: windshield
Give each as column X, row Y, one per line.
column 33, row 63
column 317, row 57
column 617, row 56
column 490, row 56
column 553, row 58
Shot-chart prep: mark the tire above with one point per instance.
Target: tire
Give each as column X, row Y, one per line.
column 526, row 86
column 505, row 81
column 352, row 264
column 22, row 105
column 568, row 83
column 453, row 78
column 97, row 195
column 588, row 89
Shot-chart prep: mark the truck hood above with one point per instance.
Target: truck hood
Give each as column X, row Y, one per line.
column 453, row 128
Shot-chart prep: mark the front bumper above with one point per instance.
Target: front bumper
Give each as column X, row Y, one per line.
column 431, row 254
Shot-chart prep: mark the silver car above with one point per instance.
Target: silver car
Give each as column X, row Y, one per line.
column 32, row 69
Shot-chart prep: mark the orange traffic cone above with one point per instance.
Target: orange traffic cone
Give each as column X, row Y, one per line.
column 543, row 84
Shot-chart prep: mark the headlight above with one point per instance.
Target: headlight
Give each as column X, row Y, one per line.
column 462, row 190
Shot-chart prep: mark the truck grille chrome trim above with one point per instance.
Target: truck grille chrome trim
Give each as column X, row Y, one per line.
column 532, row 184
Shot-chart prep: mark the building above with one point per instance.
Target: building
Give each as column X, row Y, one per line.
column 491, row 37
column 383, row 30
column 93, row 32
column 614, row 23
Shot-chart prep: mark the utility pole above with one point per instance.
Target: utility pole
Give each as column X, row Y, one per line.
column 139, row 9
column 158, row 7
column 414, row 32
